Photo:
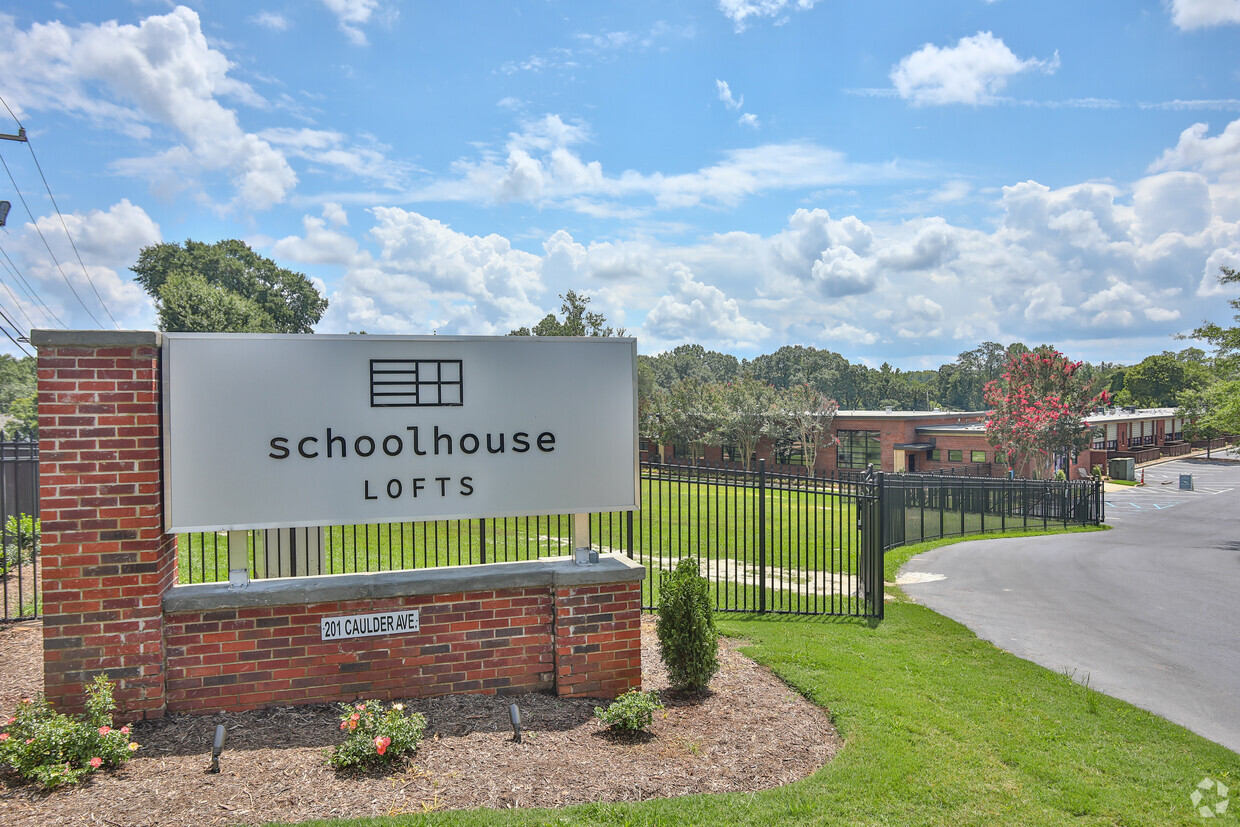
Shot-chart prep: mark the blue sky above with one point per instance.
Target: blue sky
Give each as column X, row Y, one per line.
column 896, row 180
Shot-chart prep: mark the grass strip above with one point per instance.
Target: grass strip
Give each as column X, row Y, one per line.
column 941, row 728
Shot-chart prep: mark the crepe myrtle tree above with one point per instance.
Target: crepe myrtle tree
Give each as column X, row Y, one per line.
column 747, row 409
column 1038, row 408
column 692, row 414
column 809, row 413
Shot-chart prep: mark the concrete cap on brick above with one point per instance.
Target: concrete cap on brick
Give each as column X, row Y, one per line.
column 552, row 572
column 96, row 338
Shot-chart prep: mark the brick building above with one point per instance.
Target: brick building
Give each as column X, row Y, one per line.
column 955, row 442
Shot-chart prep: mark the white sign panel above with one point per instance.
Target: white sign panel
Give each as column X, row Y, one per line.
column 264, row 431
column 384, row 623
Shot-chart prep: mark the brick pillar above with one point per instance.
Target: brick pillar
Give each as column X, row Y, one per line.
column 105, row 560
column 598, row 640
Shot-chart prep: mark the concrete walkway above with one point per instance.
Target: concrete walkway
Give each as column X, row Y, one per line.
column 1149, row 611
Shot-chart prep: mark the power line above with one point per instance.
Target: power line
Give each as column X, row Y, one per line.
column 16, row 301
column 89, row 280
column 48, row 313
column 47, row 246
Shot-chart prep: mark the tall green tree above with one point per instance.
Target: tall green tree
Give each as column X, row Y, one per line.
column 809, row 412
column 19, row 388
column 1157, row 381
column 577, row 321
column 1226, row 340
column 746, row 408
column 226, row 287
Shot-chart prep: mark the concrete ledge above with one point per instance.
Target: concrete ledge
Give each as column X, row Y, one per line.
column 552, row 572
column 96, row 338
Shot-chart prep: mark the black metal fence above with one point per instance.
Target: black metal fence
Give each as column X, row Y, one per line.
column 19, row 529
column 919, row 507
column 766, row 542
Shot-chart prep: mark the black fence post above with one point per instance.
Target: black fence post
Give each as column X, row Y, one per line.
column 762, row 535
column 482, row 539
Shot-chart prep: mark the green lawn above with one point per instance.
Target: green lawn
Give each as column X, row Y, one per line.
column 940, row 728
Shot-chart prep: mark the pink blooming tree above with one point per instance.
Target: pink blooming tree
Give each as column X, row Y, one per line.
column 1038, row 410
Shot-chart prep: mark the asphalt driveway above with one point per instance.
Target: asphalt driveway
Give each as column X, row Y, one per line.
column 1149, row 611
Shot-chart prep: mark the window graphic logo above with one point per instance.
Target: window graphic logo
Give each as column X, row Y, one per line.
column 415, row 383
column 1210, row 798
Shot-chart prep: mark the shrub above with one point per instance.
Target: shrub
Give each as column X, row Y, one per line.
column 43, row 745
column 21, row 540
column 631, row 712
column 1061, row 475
column 688, row 639
column 376, row 736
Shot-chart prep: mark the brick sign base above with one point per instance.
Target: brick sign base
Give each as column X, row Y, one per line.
column 110, row 605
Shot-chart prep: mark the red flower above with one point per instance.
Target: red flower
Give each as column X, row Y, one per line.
column 104, row 730
column 4, row 736
column 96, row 762
column 381, row 744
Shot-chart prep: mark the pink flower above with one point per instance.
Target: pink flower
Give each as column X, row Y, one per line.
column 29, row 740
column 104, row 730
column 96, row 762
column 11, row 721
column 342, row 723
column 4, row 736
column 124, row 730
column 381, row 744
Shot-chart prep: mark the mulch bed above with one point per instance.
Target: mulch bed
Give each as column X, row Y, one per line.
column 748, row 732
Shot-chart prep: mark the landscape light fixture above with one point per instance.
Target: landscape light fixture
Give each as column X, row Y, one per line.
column 514, row 715
column 221, row 735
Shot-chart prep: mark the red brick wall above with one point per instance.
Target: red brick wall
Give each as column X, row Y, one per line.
column 105, row 559
column 108, row 568
column 598, row 647
column 496, row 641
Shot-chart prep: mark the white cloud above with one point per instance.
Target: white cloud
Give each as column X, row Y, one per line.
column 108, row 242
column 1197, row 14
column 851, row 334
column 271, row 20
column 328, row 150
column 427, row 277
column 725, row 95
column 973, row 71
column 750, row 120
column 161, row 71
column 321, row 244
column 352, row 15
column 696, row 312
column 740, row 11
column 540, row 165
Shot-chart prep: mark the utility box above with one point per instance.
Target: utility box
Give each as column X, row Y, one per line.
column 1123, row 468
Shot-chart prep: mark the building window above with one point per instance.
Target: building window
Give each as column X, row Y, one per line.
column 643, row 445
column 936, row 455
column 977, row 456
column 956, row 455
column 680, row 450
column 857, row 449
column 790, row 455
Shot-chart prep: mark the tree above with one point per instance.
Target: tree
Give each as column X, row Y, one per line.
column 745, row 413
column 1226, row 340
column 1212, row 412
column 1038, row 411
column 1158, row 380
column 226, row 287
column 692, row 414
column 19, row 385
column 577, row 321
column 810, row 413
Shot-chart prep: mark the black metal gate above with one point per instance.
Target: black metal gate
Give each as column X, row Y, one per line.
column 19, row 529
